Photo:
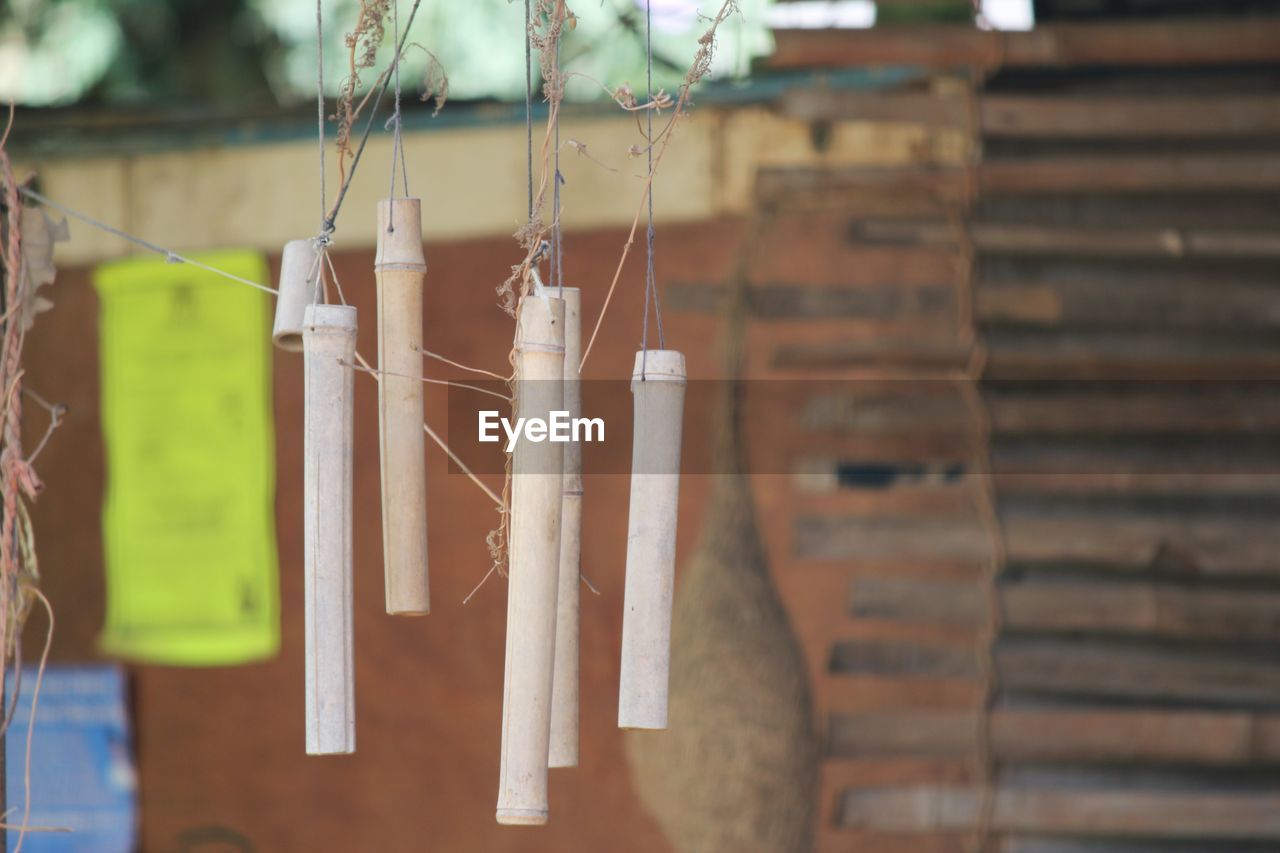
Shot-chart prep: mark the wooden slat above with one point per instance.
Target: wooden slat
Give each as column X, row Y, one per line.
column 1188, row 545
column 1111, row 302
column 1146, row 408
column 1034, row 844
column 1124, row 355
column 1095, row 812
column 1170, row 610
column 1119, row 43
column 1019, row 239
column 1075, row 736
column 1079, row 669
column 1126, row 116
column 1131, row 173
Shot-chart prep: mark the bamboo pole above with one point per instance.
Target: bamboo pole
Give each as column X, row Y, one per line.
column 399, row 267
column 536, row 497
column 329, row 340
column 657, row 385
column 564, row 690
column 299, row 272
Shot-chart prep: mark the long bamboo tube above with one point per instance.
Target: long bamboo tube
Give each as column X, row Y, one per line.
column 657, row 385
column 536, row 495
column 399, row 267
column 299, row 272
column 564, row 690
column 329, row 341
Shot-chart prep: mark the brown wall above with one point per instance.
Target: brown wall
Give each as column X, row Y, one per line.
column 223, row 747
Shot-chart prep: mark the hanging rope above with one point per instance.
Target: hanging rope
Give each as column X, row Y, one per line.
column 368, row 126
column 557, row 236
column 528, row 99
column 324, row 195
column 650, row 282
column 395, row 123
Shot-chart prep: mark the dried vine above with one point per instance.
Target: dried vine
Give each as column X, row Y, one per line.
column 548, row 20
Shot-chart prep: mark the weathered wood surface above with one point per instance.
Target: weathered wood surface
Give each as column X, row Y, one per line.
column 1048, row 116
column 1084, row 812
column 1187, row 544
column 1128, row 116
column 999, row 238
column 1078, row 669
column 1115, row 43
column 1147, row 408
column 1158, row 173
column 1170, row 610
column 1070, row 735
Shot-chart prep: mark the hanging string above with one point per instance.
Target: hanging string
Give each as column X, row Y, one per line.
column 168, row 254
column 650, row 280
column 373, row 111
column 528, row 100
column 325, row 226
column 557, row 237
column 395, row 123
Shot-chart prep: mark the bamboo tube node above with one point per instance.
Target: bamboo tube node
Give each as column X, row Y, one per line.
column 564, row 690
column 536, row 496
column 329, row 341
column 658, row 387
column 299, row 274
column 399, row 267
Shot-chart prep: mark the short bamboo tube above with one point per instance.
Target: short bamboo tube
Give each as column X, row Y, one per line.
column 564, row 689
column 329, row 342
column 399, row 267
column 536, row 494
column 299, row 272
column 657, row 387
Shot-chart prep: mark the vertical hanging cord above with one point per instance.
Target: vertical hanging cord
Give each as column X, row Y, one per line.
column 557, row 237
column 394, row 123
column 528, row 101
column 650, row 285
column 324, row 223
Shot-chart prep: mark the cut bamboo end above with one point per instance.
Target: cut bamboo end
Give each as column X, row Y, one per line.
column 399, row 269
column 299, row 273
column 534, row 551
column 657, row 386
column 329, row 340
column 564, row 691
column 522, row 817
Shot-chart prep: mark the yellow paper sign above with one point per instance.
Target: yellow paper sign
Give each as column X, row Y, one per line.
column 186, row 414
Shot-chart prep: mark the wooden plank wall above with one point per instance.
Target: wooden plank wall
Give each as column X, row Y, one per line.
column 1075, row 334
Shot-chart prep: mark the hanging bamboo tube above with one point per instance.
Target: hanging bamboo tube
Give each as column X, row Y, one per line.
column 536, row 494
column 329, row 341
column 399, row 267
column 564, row 690
column 299, row 273
column 657, row 387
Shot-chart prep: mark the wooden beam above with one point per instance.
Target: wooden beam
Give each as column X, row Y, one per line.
column 1099, row 116
column 1129, row 608
column 1159, row 173
column 1183, row 544
column 1121, row 811
column 1018, row 239
column 1113, row 43
column 1068, row 735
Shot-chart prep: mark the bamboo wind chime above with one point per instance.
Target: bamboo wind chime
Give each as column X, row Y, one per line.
column 399, row 268
column 564, row 693
column 534, row 558
column 658, row 389
column 329, row 342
